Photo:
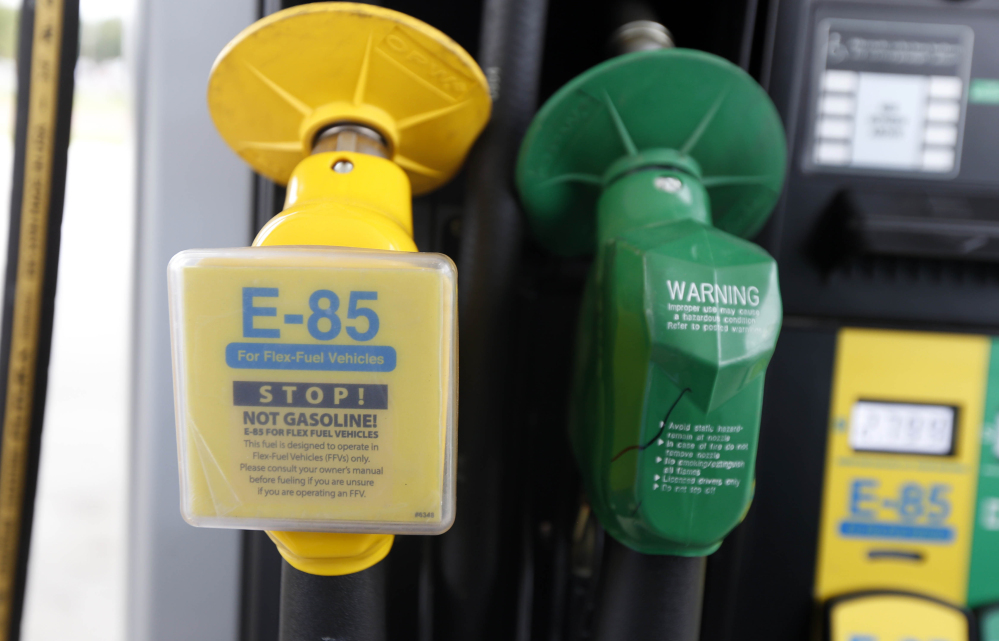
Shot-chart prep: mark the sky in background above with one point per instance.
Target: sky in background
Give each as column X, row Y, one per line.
column 104, row 9
column 93, row 10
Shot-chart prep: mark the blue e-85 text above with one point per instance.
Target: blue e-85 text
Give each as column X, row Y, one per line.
column 917, row 512
column 323, row 323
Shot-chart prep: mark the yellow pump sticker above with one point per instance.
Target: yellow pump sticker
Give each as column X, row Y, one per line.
column 902, row 463
column 315, row 388
column 895, row 617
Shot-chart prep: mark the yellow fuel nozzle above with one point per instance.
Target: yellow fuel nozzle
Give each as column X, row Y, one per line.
column 347, row 194
column 331, row 423
column 347, row 85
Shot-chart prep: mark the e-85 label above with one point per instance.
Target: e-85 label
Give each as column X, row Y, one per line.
column 317, row 395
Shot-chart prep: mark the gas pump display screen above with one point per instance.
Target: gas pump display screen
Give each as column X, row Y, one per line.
column 889, row 97
column 904, row 428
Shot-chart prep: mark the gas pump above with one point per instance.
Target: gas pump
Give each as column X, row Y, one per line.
column 717, row 482
column 315, row 384
column 876, row 475
column 662, row 162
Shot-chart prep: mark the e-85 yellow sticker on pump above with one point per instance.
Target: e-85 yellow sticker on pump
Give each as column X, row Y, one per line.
column 315, row 388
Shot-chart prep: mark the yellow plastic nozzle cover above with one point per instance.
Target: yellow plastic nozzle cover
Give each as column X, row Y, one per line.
column 315, row 388
column 287, row 77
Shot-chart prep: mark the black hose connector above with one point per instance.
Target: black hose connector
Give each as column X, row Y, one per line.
column 641, row 596
column 345, row 608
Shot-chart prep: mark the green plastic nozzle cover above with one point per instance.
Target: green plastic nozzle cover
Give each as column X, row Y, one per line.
column 661, row 163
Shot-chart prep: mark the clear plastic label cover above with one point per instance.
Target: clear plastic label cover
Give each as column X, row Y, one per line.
column 315, row 388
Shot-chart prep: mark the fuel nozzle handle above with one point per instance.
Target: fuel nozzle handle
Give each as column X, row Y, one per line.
column 661, row 163
column 686, row 317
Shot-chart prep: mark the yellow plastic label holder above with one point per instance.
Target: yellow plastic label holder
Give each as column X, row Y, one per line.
column 315, row 388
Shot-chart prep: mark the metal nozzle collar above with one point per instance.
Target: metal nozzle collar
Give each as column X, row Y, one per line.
column 351, row 137
column 641, row 35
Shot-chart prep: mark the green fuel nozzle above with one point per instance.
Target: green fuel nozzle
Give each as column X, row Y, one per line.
column 663, row 162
